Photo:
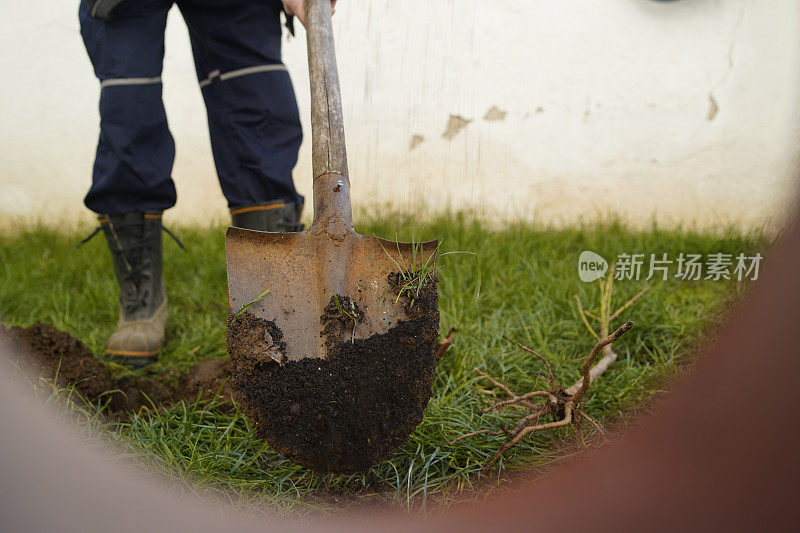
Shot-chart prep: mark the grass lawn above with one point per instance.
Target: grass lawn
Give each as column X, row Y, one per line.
column 518, row 288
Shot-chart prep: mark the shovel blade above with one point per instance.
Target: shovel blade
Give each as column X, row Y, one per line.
column 333, row 360
column 299, row 273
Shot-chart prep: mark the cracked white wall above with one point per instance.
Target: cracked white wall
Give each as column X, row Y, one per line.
column 683, row 112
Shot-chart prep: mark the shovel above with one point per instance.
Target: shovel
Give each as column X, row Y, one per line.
column 331, row 334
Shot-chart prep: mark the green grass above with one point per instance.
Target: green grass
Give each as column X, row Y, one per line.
column 518, row 288
column 418, row 271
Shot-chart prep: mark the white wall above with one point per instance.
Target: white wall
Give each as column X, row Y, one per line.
column 607, row 109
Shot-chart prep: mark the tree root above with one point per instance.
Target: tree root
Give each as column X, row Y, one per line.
column 563, row 405
column 559, row 403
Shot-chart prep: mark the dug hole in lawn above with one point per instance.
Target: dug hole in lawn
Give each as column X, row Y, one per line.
column 48, row 353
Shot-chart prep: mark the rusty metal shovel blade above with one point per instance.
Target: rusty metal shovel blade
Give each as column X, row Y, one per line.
column 331, row 334
column 333, row 366
column 299, row 282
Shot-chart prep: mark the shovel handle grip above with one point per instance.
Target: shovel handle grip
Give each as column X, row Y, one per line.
column 331, row 180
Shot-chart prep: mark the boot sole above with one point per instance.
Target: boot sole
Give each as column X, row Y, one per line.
column 134, row 360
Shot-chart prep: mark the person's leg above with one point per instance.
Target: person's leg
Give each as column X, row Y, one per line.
column 252, row 112
column 135, row 151
column 132, row 181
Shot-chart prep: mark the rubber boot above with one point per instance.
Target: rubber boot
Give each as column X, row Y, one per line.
column 135, row 243
column 276, row 216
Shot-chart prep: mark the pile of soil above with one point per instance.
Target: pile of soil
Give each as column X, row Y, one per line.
column 349, row 411
column 44, row 351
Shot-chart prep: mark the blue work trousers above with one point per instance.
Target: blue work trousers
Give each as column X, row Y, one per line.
column 252, row 112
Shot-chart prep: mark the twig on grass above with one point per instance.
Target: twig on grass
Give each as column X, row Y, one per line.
column 446, row 342
column 517, row 399
column 505, row 388
column 583, row 384
column 551, row 379
column 559, row 403
column 606, row 317
column 629, row 303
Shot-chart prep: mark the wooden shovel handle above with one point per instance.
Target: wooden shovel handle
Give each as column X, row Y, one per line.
column 332, row 211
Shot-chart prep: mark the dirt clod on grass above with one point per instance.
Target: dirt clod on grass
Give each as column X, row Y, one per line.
column 349, row 411
column 44, row 351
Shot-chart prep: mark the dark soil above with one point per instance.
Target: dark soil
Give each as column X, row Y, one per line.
column 44, row 351
column 349, row 411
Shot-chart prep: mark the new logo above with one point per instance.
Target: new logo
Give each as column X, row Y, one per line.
column 591, row 266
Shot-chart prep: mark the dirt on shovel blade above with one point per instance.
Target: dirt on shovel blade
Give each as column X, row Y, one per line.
column 349, row 411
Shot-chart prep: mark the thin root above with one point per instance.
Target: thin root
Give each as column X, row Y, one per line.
column 568, row 402
column 518, row 400
column 527, row 431
column 501, row 385
column 597, row 426
column 551, row 379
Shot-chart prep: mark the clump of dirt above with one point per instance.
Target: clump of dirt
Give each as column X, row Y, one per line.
column 339, row 317
column 415, row 303
column 47, row 352
column 349, row 411
column 260, row 339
